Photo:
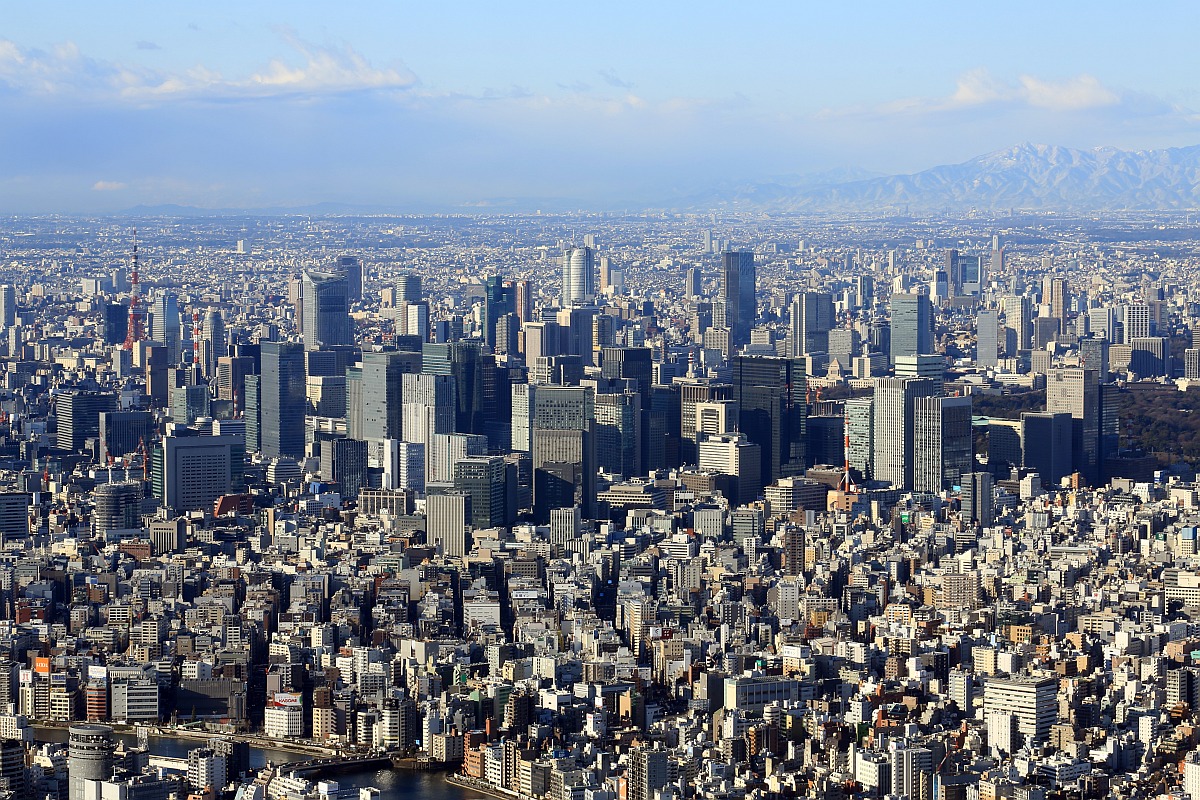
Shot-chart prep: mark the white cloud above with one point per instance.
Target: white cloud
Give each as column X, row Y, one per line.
column 1074, row 94
column 109, row 186
column 312, row 69
column 980, row 89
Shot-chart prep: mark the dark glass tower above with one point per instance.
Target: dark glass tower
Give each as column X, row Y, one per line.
column 282, row 398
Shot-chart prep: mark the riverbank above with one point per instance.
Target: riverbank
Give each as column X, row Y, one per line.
column 195, row 735
column 480, row 786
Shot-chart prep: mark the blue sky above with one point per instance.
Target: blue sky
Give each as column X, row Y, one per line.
column 107, row 105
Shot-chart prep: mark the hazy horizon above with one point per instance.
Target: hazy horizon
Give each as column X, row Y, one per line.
column 283, row 105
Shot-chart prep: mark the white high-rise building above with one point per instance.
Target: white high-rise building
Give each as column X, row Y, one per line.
column 578, row 276
column 1033, row 703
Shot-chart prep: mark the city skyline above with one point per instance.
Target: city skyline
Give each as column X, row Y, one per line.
column 429, row 109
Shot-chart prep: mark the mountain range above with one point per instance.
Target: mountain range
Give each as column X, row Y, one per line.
column 1033, row 177
column 1026, row 176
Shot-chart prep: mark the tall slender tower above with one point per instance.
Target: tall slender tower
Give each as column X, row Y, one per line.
column 137, row 325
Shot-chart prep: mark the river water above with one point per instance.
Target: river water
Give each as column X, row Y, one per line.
column 393, row 784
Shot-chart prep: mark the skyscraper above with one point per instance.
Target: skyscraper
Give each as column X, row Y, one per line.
column 1046, row 445
column 739, row 287
column 382, row 396
column 770, row 393
column 191, row 472
column 811, row 322
column 325, row 316
column 499, row 299
column 893, row 427
column 344, row 461
column 944, row 448
column 121, row 432
column 282, row 400
column 860, row 435
column 117, row 506
column 912, row 331
column 578, row 276
column 1018, row 317
column 164, row 326
column 1077, row 392
column 1137, row 321
column 448, row 523
column 408, row 288
column 8, row 306
column 352, row 268
column 987, row 347
column 215, row 345
column 481, row 478
column 79, row 417
column 89, row 756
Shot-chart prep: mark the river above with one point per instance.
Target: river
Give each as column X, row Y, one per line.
column 393, row 784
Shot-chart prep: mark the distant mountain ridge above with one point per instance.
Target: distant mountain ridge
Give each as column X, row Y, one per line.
column 1028, row 176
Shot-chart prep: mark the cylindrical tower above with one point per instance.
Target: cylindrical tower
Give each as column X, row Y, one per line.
column 89, row 756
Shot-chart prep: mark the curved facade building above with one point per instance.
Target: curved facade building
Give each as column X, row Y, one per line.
column 579, row 276
column 89, row 756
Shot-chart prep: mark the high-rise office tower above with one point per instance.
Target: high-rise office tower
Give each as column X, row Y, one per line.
column 408, row 288
column 448, row 523
column 692, row 392
column 1094, row 355
column 911, row 325
column 1056, row 294
column 811, row 322
column 215, row 344
column 498, row 300
column 735, row 455
column 253, row 413
column 482, row 478
column 893, row 426
column 281, row 400
column 89, row 757
column 344, row 461
column 118, row 506
column 739, row 287
column 844, row 345
column 1077, row 392
column 693, row 284
column 447, row 449
column 619, row 433
column 1046, row 445
column 164, row 325
column 325, row 319
column 189, row 473
column 1018, row 316
column 944, row 448
column 563, row 448
column 116, row 319
column 987, row 339
column 429, row 406
column 912, row 328
column 578, row 276
column 463, row 360
column 122, row 432
column 629, row 363
column 860, row 435
column 977, row 502
column 772, row 407
column 382, row 393
column 78, row 414
column 352, row 268
column 1033, row 702
column 8, row 306
column 523, row 301
column 1137, row 321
